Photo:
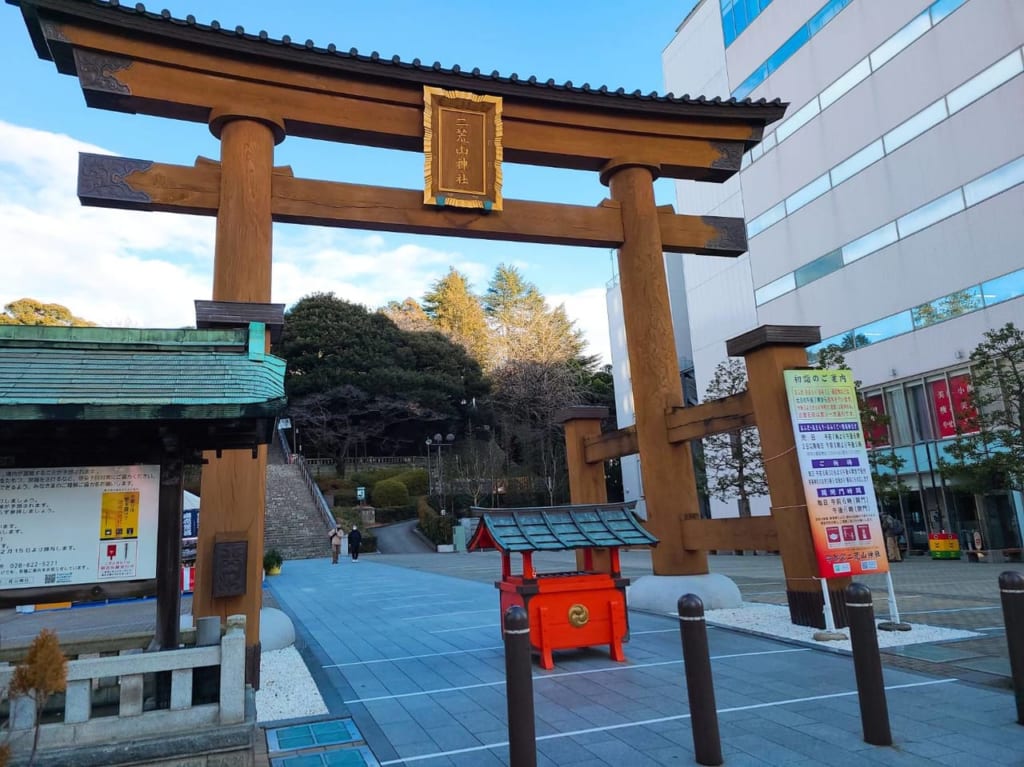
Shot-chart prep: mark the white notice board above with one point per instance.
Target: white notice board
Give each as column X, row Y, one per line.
column 77, row 524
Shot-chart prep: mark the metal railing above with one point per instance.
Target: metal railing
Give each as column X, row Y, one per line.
column 314, row 490
column 282, row 440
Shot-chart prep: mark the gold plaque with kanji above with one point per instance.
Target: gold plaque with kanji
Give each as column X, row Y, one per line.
column 462, row 149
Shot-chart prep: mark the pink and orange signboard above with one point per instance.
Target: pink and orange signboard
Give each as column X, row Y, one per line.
column 840, row 497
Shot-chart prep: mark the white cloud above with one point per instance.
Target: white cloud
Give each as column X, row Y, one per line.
column 589, row 310
column 127, row 268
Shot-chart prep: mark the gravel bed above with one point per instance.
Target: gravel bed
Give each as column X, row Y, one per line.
column 773, row 621
column 287, row 691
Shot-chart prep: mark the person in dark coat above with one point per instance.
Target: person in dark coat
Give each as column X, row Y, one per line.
column 355, row 540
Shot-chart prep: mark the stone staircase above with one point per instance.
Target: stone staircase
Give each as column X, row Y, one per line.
column 293, row 524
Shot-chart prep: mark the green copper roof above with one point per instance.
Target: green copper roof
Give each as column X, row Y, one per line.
column 92, row 373
column 557, row 528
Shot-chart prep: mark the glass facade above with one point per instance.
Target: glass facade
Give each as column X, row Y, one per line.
column 798, row 39
column 982, row 188
column 999, row 73
column 737, row 15
column 963, row 301
column 859, row 72
column 922, row 413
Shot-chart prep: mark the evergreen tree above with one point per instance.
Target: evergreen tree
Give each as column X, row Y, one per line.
column 29, row 311
column 355, row 378
column 523, row 327
column 988, row 453
column 408, row 315
column 456, row 311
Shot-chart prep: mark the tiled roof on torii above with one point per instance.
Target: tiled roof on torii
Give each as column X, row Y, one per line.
column 237, row 40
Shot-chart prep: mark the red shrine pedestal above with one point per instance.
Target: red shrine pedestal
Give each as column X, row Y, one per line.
column 567, row 610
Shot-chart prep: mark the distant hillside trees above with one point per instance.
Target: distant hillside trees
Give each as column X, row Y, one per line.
column 492, row 368
column 29, row 311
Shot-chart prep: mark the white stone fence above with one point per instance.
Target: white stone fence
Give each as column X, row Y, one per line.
column 81, row 728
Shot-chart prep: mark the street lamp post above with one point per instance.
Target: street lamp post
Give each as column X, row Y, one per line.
column 439, row 442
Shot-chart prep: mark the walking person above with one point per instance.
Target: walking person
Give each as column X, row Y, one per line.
column 892, row 529
column 335, row 536
column 355, row 540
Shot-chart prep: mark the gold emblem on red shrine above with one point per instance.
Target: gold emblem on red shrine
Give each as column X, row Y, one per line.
column 462, row 149
column 579, row 616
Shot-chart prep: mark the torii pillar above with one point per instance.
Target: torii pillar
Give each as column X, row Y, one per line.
column 586, row 480
column 234, row 484
column 670, row 486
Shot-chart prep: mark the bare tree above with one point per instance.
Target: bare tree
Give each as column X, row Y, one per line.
column 477, row 464
column 527, row 395
column 732, row 461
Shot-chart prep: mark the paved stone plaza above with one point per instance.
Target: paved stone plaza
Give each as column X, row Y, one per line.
column 409, row 648
column 414, row 656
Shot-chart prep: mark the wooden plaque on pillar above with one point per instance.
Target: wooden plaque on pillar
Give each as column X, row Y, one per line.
column 462, row 149
column 230, row 559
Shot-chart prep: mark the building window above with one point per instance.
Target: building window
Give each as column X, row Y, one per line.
column 818, row 268
column 1003, row 288
column 921, row 423
column 798, row 39
column 885, row 328
column 999, row 180
column 737, row 15
column 899, row 416
column 953, row 305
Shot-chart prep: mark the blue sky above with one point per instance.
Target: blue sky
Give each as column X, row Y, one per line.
column 145, row 269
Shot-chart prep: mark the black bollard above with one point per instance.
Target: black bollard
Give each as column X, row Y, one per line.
column 700, row 687
column 522, row 741
column 1011, row 589
column 867, row 665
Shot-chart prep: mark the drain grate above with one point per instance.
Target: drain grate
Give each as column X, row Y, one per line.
column 340, row 757
column 313, row 735
column 319, row 744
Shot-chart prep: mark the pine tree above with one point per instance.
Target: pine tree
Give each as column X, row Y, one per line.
column 455, row 311
column 524, row 328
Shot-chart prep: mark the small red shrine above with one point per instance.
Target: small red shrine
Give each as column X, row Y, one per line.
column 567, row 610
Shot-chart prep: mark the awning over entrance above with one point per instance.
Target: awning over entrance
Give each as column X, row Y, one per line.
column 113, row 393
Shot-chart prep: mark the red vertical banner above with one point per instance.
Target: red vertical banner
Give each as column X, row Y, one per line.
column 943, row 407
column 876, row 435
column 960, row 391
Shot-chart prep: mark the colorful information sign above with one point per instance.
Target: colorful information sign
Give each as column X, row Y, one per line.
column 840, row 497
column 80, row 524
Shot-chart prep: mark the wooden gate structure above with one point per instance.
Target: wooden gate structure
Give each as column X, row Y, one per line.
column 253, row 91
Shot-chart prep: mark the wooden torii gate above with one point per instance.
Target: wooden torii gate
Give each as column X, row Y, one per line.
column 254, row 91
column 767, row 351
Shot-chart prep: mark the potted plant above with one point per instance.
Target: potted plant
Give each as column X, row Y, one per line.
column 272, row 560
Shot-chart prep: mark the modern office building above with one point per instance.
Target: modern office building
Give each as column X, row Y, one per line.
column 886, row 208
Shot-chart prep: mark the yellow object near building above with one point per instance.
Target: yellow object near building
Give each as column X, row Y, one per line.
column 944, row 545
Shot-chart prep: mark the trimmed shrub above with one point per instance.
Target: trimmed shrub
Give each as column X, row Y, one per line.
column 371, row 477
column 389, row 492
column 345, row 497
column 436, row 528
column 415, row 481
column 391, row 514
